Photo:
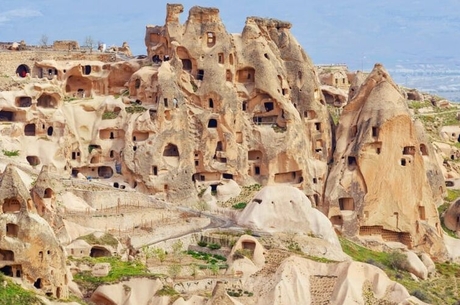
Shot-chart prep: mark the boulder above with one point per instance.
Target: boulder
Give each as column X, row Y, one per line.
column 428, row 262
column 416, row 266
column 101, row 269
column 282, row 208
column 302, row 281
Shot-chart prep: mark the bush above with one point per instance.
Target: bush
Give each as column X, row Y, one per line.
column 397, row 260
column 214, row 246
column 135, row 109
column 11, row 153
column 239, row 205
column 109, row 115
column 202, row 243
column 420, row 295
column 375, row 263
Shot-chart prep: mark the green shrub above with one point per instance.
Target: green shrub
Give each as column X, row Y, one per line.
column 240, row 205
column 166, row 291
column 214, row 246
column 119, row 271
column 135, row 109
column 106, row 239
column 12, row 293
column 11, row 153
column 420, row 295
column 202, row 243
column 109, row 115
column 397, row 260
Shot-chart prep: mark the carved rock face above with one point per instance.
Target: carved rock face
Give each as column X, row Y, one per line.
column 385, row 180
column 244, row 107
column 28, row 246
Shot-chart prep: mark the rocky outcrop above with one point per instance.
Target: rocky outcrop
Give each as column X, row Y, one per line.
column 451, row 217
column 136, row 291
column 29, row 249
column 228, row 107
column 385, row 181
column 301, row 281
column 286, row 209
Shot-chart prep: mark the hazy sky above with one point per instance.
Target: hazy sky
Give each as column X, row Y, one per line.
column 356, row 32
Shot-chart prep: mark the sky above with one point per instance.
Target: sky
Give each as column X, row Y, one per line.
column 355, row 32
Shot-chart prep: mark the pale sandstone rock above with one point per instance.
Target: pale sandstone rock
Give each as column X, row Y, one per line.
column 28, row 247
column 416, row 266
column 250, row 244
column 285, row 209
column 452, row 216
column 428, row 262
column 301, row 281
column 136, row 291
column 220, row 296
column 101, row 269
column 385, row 177
column 194, row 300
column 228, row 189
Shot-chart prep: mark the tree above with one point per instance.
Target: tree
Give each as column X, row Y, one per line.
column 177, row 247
column 89, row 42
column 148, row 252
column 174, row 270
column 160, row 254
column 193, row 270
column 43, row 42
column 214, row 269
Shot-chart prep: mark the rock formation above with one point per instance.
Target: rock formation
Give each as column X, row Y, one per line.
column 286, row 209
column 228, row 107
column 28, row 247
column 385, row 181
column 452, row 217
column 301, row 281
column 204, row 116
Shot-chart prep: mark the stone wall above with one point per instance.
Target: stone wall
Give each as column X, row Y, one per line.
column 10, row 60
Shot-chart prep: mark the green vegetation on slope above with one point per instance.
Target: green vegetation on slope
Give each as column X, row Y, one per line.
column 11, row 294
column 120, row 271
column 106, row 239
column 442, row 288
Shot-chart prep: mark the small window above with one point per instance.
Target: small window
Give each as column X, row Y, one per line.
column 318, row 126
column 200, row 75
column 403, row 162
column 155, row 170
column 375, row 131
column 212, row 123
column 220, row 57
column 269, row 106
column 211, row 39
column 211, row 103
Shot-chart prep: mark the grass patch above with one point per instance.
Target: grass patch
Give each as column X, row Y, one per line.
column 106, row 239
column 452, row 195
column 120, row 271
column 206, row 256
column 10, row 153
column 166, row 291
column 12, row 293
column 135, row 109
column 440, row 289
column 418, row 104
column 240, row 205
column 109, row 115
